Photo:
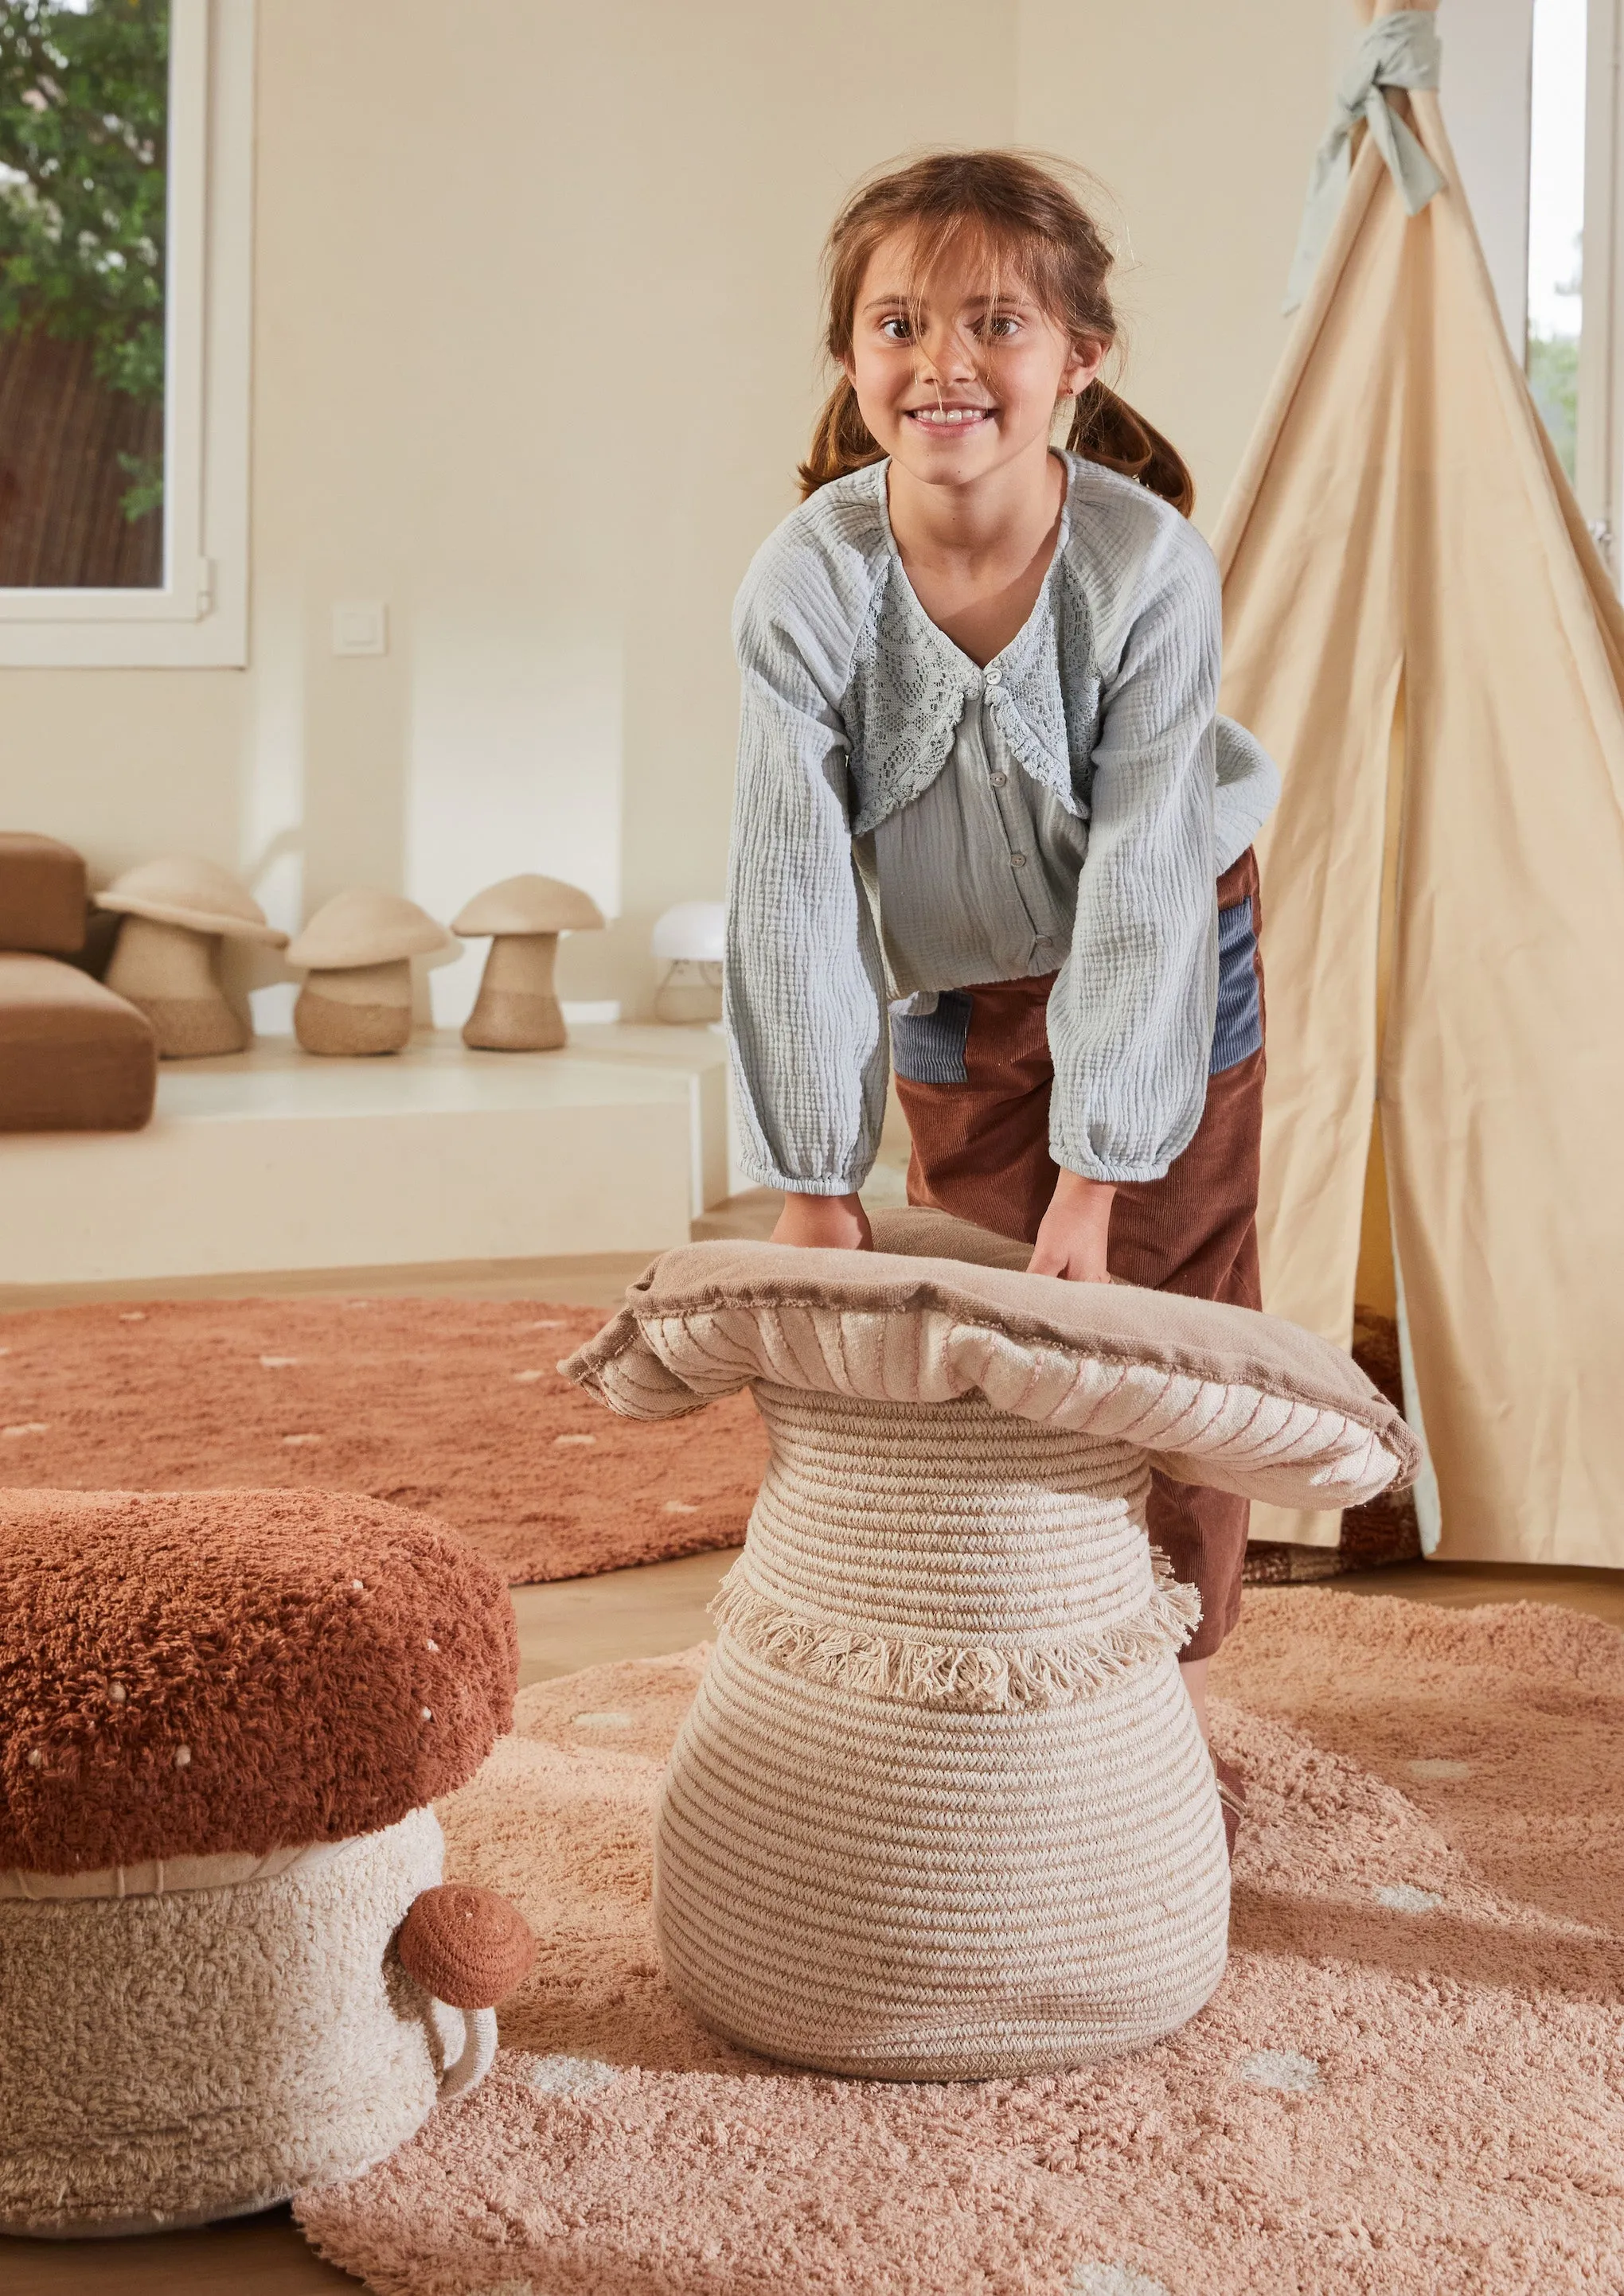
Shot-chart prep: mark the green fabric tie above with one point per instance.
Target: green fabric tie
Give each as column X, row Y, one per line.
column 1397, row 51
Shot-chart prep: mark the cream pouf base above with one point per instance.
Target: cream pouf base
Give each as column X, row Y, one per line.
column 941, row 1809
column 184, row 2054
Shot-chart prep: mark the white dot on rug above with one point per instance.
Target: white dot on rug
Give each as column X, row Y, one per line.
column 1091, row 2278
column 602, row 1721
column 547, row 1324
column 132, row 1315
column 301, row 1439
column 1280, row 2069
column 525, row 1378
column 27, row 1427
column 276, row 1363
column 571, row 2075
column 678, row 1506
column 1405, row 1897
column 559, row 1441
column 1430, row 1770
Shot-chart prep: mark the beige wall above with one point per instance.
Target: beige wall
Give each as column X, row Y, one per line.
column 535, row 354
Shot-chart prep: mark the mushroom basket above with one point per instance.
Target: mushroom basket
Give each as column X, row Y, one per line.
column 228, row 1967
column 941, row 1808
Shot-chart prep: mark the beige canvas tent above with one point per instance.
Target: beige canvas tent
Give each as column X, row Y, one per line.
column 1419, row 628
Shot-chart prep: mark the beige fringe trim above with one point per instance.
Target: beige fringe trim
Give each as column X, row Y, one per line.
column 976, row 1678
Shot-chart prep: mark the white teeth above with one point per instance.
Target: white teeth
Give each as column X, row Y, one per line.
column 940, row 415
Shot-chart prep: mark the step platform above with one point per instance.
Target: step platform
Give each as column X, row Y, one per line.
column 270, row 1161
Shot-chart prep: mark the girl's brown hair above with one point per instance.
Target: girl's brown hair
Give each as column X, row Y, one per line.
column 1019, row 215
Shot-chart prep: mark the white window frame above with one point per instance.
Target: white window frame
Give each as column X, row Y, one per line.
column 199, row 619
column 1598, row 457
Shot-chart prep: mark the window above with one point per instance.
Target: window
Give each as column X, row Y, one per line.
column 126, row 138
column 1556, row 218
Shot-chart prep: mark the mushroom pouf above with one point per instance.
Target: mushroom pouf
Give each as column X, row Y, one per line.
column 357, row 952
column 517, row 1010
column 227, row 1971
column 941, row 1808
column 176, row 915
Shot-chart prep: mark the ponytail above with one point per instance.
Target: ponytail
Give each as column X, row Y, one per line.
column 842, row 441
column 1105, row 429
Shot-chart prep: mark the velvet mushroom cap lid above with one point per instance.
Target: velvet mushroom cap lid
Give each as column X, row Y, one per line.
column 1221, row 1395
column 198, row 895
column 521, row 906
column 189, row 1674
column 364, row 927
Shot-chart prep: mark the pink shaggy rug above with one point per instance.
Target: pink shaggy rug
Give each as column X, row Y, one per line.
column 1412, row 2079
column 451, row 1406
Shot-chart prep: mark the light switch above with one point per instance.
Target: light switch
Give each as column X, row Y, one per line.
column 360, row 626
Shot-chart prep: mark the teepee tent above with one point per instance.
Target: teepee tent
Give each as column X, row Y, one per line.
column 1419, row 628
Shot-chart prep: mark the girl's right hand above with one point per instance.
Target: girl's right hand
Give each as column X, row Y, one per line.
column 825, row 1223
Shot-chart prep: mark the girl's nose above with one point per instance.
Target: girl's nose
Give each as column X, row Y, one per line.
column 945, row 355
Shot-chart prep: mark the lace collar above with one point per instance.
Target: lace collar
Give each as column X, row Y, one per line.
column 912, row 685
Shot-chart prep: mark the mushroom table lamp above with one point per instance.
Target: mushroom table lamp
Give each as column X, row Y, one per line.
column 357, row 952
column 517, row 1010
column 229, row 1966
column 689, row 943
column 175, row 912
column 941, row 1809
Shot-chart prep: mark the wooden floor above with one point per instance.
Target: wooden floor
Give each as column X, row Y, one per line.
column 640, row 1614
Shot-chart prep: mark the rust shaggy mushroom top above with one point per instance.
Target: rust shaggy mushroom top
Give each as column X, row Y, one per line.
column 183, row 1673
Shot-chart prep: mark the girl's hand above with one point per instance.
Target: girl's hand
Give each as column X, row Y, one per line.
column 1076, row 1228
column 825, row 1223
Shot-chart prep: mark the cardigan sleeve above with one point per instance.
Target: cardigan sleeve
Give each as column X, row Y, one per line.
column 804, row 981
column 1131, row 1014
column 1247, row 791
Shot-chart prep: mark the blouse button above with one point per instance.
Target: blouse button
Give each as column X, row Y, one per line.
column 1000, row 781
column 1017, row 860
column 995, row 677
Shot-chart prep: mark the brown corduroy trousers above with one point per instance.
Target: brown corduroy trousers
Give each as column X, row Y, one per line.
column 978, row 1109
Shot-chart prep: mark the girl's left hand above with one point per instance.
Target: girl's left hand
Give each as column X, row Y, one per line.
column 1076, row 1230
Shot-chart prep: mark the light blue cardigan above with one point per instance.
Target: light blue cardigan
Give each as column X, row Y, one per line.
column 1107, row 700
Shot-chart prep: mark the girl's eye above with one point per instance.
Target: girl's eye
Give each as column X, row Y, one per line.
column 1001, row 322
column 895, row 330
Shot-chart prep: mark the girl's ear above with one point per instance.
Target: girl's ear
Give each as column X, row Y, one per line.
column 1087, row 358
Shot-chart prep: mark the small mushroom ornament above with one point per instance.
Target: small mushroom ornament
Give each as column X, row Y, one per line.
column 175, row 912
column 517, row 1010
column 690, row 943
column 355, row 953
column 229, row 1965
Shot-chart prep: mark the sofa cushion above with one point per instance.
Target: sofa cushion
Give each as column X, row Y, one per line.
column 73, row 1056
column 43, row 894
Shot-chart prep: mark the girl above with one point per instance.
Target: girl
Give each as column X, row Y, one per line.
column 981, row 779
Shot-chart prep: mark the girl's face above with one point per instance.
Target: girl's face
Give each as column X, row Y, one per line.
column 952, row 381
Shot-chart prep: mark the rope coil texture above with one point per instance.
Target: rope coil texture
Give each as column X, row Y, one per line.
column 940, row 1809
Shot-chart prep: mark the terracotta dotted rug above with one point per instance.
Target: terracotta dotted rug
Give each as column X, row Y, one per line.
column 1412, row 2079
column 454, row 1406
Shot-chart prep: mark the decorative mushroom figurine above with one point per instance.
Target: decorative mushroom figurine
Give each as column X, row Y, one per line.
column 229, row 1967
column 356, row 953
column 176, row 914
column 689, row 943
column 940, row 1809
column 516, row 1010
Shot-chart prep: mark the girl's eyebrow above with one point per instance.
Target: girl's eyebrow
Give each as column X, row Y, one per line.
column 1012, row 302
